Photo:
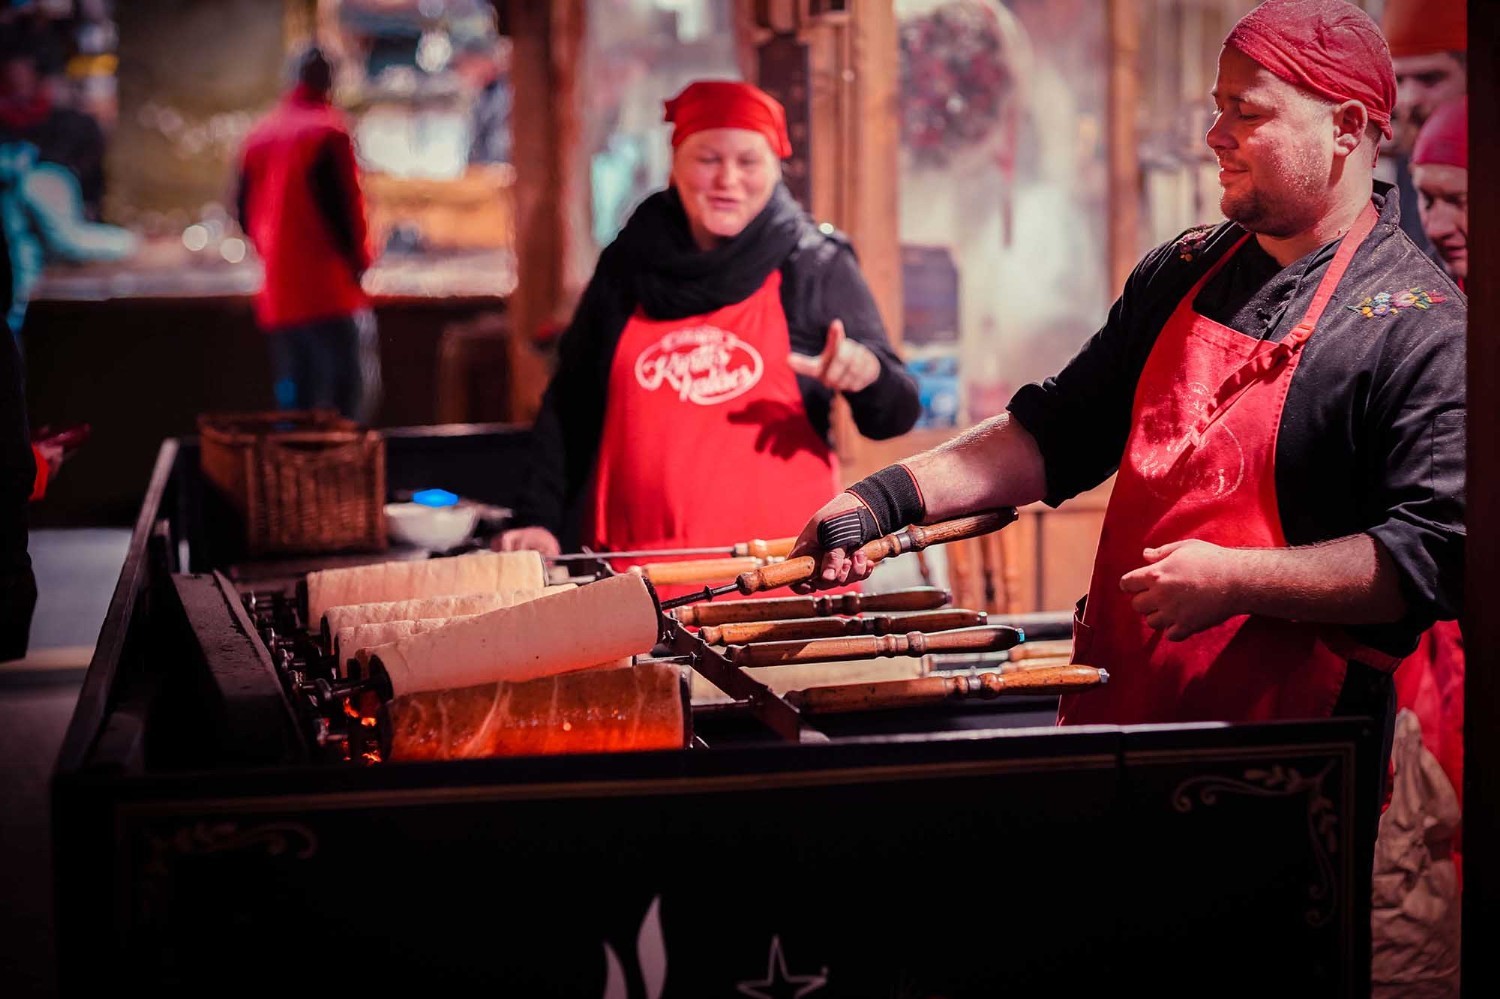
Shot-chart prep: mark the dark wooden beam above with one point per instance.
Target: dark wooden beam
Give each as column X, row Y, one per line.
column 1481, row 902
column 547, row 42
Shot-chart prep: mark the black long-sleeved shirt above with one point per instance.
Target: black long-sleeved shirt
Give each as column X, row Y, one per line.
column 1372, row 434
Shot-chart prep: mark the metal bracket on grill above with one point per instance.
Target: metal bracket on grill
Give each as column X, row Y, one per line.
column 764, row 703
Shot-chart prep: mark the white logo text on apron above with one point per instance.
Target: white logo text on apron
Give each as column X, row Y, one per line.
column 703, row 365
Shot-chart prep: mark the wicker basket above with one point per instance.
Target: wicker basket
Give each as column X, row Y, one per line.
column 304, row 481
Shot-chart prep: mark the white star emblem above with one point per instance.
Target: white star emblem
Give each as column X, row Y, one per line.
column 778, row 984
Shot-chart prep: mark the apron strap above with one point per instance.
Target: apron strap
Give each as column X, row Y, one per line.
column 1267, row 362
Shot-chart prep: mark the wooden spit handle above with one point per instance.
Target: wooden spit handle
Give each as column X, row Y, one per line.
column 697, row 571
column 918, row 598
column 1040, row 662
column 912, row 539
column 1041, row 650
column 775, row 548
column 870, row 646
column 930, row 690
column 835, row 627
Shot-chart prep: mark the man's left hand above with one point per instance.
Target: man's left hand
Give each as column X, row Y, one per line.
column 1184, row 587
column 845, row 365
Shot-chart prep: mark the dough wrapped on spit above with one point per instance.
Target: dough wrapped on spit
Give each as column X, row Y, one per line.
column 609, row 620
column 336, row 619
column 588, row 711
column 348, row 641
column 480, row 572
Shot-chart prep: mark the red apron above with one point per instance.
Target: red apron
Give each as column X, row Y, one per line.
column 1200, row 463
column 706, row 441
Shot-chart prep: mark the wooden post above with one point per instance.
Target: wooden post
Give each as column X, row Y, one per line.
column 1481, row 976
column 845, row 78
column 1124, row 160
column 547, row 43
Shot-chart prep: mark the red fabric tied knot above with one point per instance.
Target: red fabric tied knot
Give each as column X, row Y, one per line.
column 1329, row 48
column 728, row 104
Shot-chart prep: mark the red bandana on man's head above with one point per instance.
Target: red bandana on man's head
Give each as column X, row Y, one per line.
column 1444, row 139
column 728, row 104
column 1330, row 48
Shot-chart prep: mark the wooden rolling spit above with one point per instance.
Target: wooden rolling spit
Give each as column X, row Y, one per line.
column 1041, row 650
column 916, row 538
column 697, row 571
column 870, row 646
column 837, row 627
column 931, row 690
column 918, row 598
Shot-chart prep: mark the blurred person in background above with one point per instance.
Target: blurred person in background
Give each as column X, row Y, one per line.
column 299, row 201
column 1429, row 42
column 33, row 109
column 692, row 398
column 482, row 62
column 42, row 214
column 1419, row 855
column 1440, row 173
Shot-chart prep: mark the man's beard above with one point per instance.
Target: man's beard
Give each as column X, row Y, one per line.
column 1280, row 214
column 1256, row 212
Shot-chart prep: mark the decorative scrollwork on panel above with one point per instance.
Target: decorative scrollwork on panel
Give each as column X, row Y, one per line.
column 275, row 838
column 1282, row 782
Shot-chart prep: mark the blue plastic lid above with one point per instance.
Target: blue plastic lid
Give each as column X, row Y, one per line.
column 434, row 497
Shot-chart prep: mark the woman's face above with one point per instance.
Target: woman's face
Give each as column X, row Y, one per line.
column 725, row 176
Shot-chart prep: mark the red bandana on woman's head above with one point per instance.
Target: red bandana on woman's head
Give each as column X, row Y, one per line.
column 728, row 104
column 1329, row 48
column 1444, row 139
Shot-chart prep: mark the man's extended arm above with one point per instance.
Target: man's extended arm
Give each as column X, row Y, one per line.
column 1187, row 586
column 995, row 464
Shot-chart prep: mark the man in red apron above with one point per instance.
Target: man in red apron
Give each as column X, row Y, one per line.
column 690, row 407
column 1282, row 396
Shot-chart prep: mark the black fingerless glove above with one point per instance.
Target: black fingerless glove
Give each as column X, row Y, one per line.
column 893, row 497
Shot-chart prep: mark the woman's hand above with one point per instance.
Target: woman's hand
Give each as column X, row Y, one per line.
column 844, row 366
column 537, row 539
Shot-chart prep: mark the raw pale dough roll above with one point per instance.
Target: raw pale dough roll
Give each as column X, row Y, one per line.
column 558, row 633
column 335, row 619
column 588, row 711
column 350, row 640
column 479, row 572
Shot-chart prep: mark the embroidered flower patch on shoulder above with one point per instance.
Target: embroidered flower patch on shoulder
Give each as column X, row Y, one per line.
column 1384, row 303
column 1191, row 243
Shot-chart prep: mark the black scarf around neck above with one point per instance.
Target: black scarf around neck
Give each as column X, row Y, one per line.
column 673, row 278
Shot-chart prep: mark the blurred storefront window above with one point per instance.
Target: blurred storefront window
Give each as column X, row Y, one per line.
column 428, row 85
column 1003, row 194
column 175, row 86
column 638, row 53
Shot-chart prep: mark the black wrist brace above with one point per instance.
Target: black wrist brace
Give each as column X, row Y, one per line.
column 893, row 497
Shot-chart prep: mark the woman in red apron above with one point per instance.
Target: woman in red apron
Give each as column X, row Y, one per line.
column 690, row 407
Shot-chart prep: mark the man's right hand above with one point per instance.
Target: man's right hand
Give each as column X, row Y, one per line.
column 836, row 567
column 537, row 539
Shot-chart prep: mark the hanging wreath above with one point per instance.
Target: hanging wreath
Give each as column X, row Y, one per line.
column 955, row 79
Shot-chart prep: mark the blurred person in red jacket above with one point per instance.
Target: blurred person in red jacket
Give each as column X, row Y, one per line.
column 300, row 203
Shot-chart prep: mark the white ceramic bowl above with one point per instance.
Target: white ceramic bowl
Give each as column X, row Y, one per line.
column 436, row 528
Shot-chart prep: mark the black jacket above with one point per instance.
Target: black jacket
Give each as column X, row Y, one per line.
column 17, row 472
column 1373, row 432
column 655, row 266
